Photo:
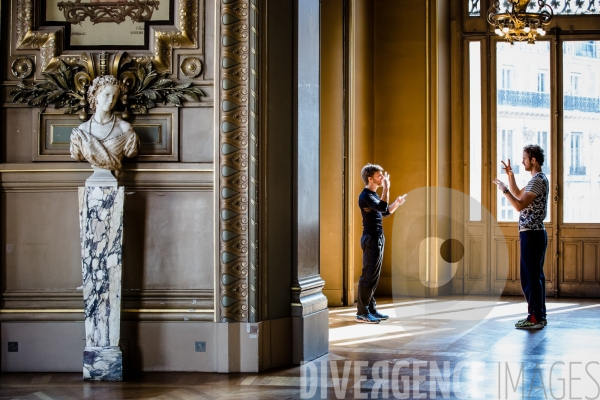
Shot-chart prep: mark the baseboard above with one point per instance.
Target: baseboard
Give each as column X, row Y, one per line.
column 334, row 297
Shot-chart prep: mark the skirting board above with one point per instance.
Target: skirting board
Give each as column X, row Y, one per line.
column 48, row 346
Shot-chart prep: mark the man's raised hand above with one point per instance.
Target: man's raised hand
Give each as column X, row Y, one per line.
column 507, row 168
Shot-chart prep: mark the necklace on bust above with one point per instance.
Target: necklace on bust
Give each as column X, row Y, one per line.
column 103, row 123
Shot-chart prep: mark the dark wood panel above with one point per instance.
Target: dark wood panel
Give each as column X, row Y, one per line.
column 590, row 261
column 475, row 265
column 571, row 262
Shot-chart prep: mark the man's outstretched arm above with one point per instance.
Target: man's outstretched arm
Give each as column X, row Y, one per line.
column 395, row 204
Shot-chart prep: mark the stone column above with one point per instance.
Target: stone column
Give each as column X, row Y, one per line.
column 309, row 304
column 101, row 227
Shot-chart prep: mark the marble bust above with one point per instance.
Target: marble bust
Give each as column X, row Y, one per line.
column 104, row 139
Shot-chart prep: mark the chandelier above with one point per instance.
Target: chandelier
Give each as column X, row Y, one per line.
column 516, row 23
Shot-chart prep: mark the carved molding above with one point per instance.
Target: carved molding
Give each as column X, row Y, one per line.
column 191, row 67
column 138, row 305
column 47, row 42
column 238, row 160
column 22, row 67
column 137, row 11
column 184, row 38
column 44, row 41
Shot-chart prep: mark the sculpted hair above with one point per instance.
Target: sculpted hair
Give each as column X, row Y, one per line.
column 535, row 151
column 368, row 171
column 98, row 84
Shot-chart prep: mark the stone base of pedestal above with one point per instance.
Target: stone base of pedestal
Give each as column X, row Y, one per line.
column 103, row 364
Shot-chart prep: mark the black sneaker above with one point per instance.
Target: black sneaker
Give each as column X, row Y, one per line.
column 381, row 317
column 367, row 319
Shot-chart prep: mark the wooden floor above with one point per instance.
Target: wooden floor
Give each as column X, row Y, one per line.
column 444, row 348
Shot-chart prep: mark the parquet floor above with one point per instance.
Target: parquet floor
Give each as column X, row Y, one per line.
column 444, row 348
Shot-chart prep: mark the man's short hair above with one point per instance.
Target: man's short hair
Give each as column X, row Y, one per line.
column 368, row 171
column 535, row 151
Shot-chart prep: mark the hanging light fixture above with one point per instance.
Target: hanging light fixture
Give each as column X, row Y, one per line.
column 516, row 23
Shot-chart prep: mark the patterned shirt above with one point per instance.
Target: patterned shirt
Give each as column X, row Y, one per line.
column 532, row 217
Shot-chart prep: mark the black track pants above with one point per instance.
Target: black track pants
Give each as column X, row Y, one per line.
column 372, row 247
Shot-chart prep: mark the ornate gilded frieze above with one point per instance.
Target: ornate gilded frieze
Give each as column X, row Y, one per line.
column 48, row 42
column 136, row 10
column 238, row 160
column 142, row 87
column 185, row 37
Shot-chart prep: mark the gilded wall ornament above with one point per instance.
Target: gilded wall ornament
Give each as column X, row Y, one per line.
column 22, row 67
column 191, row 67
column 136, row 10
column 238, row 160
column 184, row 37
column 143, row 87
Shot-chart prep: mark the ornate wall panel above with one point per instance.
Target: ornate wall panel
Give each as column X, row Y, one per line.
column 173, row 176
column 238, row 160
column 47, row 41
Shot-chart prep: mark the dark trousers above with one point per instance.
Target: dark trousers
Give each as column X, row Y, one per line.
column 533, row 281
column 372, row 247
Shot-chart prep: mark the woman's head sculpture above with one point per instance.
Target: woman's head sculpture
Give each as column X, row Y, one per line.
column 105, row 138
column 98, row 84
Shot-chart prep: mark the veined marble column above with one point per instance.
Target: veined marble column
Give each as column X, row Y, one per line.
column 101, row 224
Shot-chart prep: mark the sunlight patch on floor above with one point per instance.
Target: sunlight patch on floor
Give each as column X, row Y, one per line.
column 360, row 330
column 549, row 306
column 352, row 310
column 390, row 337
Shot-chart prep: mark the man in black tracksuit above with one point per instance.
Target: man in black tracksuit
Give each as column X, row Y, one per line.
column 373, row 208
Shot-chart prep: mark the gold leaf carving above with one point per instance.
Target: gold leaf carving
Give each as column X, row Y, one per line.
column 238, row 52
column 237, row 311
column 237, row 268
column 238, row 224
column 239, row 203
column 238, row 290
column 238, row 182
column 186, row 36
column 239, row 246
column 240, row 10
column 238, row 138
column 239, row 160
column 238, row 96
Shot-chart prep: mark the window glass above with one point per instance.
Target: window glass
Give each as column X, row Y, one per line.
column 523, row 113
column 581, row 136
column 475, row 130
column 474, row 8
column 564, row 7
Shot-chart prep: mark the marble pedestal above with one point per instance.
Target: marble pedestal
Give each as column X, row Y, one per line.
column 101, row 227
